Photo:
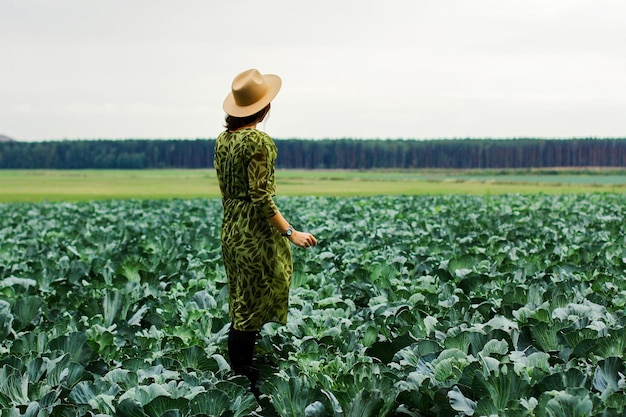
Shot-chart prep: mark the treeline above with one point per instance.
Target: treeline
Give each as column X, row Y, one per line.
column 321, row 154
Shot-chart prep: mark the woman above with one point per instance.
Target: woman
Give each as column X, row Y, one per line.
column 255, row 236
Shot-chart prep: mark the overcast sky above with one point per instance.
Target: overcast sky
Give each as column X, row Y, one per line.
column 86, row 69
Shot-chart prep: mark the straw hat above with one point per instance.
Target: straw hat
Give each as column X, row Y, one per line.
column 251, row 92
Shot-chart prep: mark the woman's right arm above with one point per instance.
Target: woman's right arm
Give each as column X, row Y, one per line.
column 258, row 171
column 301, row 239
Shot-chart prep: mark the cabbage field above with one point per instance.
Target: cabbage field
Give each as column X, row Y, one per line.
column 509, row 305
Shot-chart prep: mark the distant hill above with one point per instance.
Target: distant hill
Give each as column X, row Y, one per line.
column 4, row 138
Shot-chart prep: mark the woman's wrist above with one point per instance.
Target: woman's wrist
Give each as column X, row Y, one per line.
column 288, row 232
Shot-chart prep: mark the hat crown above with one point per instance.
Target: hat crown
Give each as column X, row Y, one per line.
column 249, row 87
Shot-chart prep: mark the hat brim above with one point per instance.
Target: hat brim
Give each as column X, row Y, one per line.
column 231, row 108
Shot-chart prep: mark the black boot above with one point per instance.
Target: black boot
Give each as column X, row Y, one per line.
column 241, row 352
column 252, row 373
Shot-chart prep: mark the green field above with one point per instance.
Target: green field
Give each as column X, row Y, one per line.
column 409, row 306
column 87, row 185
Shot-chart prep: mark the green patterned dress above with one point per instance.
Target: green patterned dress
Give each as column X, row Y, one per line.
column 256, row 256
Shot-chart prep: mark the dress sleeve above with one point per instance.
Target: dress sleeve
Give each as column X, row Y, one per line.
column 260, row 172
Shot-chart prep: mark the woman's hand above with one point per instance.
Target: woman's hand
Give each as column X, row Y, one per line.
column 302, row 239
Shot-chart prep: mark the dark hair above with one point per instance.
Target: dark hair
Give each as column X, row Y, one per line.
column 233, row 123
